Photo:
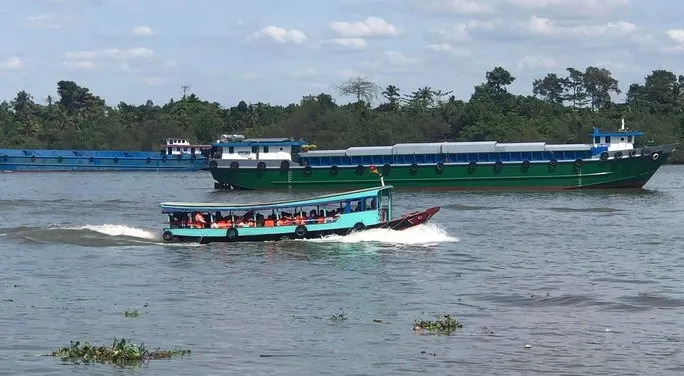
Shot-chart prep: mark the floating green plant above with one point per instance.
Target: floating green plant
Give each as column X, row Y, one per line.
column 131, row 313
column 121, row 353
column 445, row 324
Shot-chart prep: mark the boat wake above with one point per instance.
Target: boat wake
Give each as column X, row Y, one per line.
column 106, row 235
column 424, row 235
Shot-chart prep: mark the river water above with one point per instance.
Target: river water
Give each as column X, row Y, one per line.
column 573, row 283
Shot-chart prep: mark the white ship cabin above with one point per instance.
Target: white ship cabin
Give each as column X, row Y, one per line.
column 181, row 146
column 623, row 139
column 237, row 147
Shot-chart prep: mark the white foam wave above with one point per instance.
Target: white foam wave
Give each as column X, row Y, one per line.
column 427, row 234
column 119, row 230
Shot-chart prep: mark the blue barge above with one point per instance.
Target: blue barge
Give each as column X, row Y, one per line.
column 176, row 155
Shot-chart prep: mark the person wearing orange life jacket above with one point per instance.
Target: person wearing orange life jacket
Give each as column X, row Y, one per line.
column 198, row 220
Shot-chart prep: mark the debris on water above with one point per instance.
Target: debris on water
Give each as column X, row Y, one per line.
column 338, row 317
column 445, row 324
column 528, row 346
column 131, row 313
column 377, row 320
column 120, row 352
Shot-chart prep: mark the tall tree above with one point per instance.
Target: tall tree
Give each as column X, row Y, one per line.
column 359, row 87
column 574, row 88
column 551, row 88
column 599, row 83
column 392, row 95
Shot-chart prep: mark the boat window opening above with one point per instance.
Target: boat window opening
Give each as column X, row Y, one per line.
column 231, row 150
column 255, row 149
column 597, row 140
column 622, row 139
column 265, row 149
column 607, row 139
column 629, row 138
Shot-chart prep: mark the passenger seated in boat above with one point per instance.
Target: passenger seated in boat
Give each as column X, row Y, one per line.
column 197, row 221
column 371, row 204
column 358, row 206
column 175, row 221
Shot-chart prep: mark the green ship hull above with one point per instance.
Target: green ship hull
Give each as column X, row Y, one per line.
column 625, row 172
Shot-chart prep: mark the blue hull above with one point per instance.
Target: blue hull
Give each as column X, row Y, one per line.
column 80, row 160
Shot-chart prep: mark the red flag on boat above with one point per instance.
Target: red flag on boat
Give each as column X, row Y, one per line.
column 373, row 169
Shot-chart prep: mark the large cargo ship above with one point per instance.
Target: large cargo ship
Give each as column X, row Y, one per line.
column 610, row 161
column 176, row 154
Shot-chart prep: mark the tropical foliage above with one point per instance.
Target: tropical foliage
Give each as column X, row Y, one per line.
column 563, row 108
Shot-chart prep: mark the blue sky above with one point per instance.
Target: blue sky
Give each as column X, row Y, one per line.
column 277, row 51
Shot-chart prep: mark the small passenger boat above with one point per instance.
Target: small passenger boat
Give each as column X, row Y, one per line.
column 333, row 214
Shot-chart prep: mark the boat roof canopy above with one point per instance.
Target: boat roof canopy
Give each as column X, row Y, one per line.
column 186, row 207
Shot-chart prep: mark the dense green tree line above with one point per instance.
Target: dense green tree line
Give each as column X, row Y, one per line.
column 562, row 109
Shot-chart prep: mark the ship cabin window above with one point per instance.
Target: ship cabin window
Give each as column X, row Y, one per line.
column 622, row 139
column 265, row 149
column 231, row 149
column 629, row 138
column 170, row 151
column 255, row 149
column 192, row 150
column 185, row 149
column 607, row 139
column 597, row 140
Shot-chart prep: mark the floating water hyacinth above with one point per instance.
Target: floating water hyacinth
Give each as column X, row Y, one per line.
column 120, row 352
column 445, row 324
column 131, row 313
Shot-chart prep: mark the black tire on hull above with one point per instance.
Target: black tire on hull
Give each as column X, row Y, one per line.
column 167, row 235
column 359, row 226
column 232, row 234
column 301, row 231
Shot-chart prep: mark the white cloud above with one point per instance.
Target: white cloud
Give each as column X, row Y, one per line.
column 13, row 63
column 456, row 33
column 355, row 43
column 449, row 48
column 588, row 7
column 462, row 32
column 397, row 58
column 370, row 27
column 142, row 31
column 534, row 62
column 676, row 35
column 546, row 27
column 43, row 21
column 80, row 65
column 281, row 35
column 110, row 53
column 460, row 6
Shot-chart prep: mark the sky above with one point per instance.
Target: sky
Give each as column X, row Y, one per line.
column 276, row 51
